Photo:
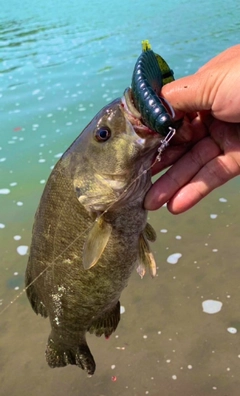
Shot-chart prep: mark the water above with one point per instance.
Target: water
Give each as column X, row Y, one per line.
column 59, row 64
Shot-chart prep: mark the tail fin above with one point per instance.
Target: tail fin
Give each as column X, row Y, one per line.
column 60, row 355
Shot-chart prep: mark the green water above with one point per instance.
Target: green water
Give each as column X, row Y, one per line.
column 60, row 63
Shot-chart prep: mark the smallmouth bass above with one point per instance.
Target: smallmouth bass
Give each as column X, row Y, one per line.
column 90, row 231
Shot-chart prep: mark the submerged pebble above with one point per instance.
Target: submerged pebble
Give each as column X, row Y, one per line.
column 173, row 258
column 212, row 306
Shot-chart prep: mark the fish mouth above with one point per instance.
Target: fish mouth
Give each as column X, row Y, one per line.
column 134, row 116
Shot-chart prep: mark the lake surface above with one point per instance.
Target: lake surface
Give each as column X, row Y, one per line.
column 60, row 63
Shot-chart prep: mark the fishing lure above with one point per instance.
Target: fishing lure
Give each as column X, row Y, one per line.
column 151, row 72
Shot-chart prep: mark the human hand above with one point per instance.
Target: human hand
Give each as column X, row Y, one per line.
column 211, row 101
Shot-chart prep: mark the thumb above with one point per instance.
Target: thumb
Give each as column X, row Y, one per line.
column 188, row 94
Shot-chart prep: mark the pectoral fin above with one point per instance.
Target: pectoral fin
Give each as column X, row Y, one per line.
column 146, row 258
column 96, row 242
column 150, row 233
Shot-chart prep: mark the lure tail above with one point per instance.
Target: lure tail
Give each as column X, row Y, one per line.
column 151, row 72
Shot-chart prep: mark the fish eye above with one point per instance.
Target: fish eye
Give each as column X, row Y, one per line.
column 103, row 134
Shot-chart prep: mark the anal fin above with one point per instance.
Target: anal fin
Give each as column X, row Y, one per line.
column 107, row 323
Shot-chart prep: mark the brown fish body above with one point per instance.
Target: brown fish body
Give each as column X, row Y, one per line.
column 89, row 233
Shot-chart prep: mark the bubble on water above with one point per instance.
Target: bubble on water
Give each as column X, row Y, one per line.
column 49, row 115
column 15, row 273
column 163, row 230
column 2, row 225
column 69, row 123
column 232, row 330
column 16, row 288
column 222, row 200
column 42, row 181
column 41, row 160
column 19, row 203
column 174, row 377
column 3, row 159
column 13, row 184
column 113, row 366
column 173, row 258
column 213, row 216
column 178, row 237
column 4, row 191
column 22, row 250
column 17, row 237
column 58, row 155
column 189, row 367
column 212, row 306
column 215, row 250
column 145, row 336
column 122, row 309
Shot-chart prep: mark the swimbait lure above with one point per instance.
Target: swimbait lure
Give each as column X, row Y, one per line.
column 151, row 72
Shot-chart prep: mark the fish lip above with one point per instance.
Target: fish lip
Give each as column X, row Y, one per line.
column 134, row 117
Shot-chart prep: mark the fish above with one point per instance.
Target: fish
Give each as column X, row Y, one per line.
column 90, row 231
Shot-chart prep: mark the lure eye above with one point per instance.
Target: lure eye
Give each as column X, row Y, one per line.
column 103, row 134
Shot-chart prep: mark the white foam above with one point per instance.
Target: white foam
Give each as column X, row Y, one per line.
column 178, row 237
column 232, row 330
column 17, row 237
column 163, row 231
column 58, row 155
column 4, row 191
column 2, row 225
column 212, row 306
column 22, row 250
column 213, row 216
column 122, row 309
column 173, row 258
column 36, row 91
column 222, row 200
column 19, row 203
